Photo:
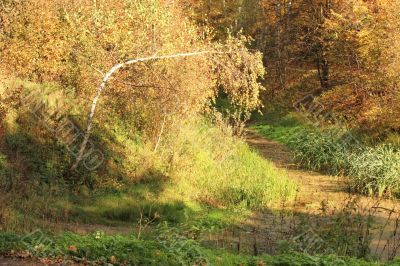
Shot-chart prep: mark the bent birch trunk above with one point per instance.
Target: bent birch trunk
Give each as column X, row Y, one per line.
column 103, row 84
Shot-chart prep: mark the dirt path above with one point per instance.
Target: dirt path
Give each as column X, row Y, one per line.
column 314, row 187
column 317, row 191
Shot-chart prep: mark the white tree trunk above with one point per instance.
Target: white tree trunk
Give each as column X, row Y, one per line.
column 103, row 84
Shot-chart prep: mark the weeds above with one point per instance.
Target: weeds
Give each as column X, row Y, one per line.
column 7, row 175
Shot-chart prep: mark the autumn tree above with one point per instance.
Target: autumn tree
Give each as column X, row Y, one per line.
column 76, row 43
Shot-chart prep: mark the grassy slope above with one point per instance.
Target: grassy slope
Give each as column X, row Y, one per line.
column 198, row 178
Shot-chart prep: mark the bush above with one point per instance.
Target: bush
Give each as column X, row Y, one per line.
column 195, row 161
column 87, row 34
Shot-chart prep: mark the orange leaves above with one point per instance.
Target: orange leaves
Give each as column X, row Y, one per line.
column 72, row 42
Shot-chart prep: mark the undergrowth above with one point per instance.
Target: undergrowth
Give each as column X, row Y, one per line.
column 165, row 249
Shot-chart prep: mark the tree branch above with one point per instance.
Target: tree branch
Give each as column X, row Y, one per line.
column 103, row 84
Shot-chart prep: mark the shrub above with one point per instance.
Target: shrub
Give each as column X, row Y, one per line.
column 64, row 42
column 197, row 161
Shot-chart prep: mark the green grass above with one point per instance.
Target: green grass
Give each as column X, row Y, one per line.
column 150, row 201
column 196, row 170
column 232, row 175
column 376, row 169
column 372, row 169
column 321, row 151
column 166, row 248
column 281, row 129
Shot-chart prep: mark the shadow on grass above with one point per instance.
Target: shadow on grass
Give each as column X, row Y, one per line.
column 138, row 203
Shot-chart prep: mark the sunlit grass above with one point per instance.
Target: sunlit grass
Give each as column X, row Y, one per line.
column 371, row 169
column 225, row 171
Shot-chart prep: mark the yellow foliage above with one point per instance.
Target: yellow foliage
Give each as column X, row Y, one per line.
column 71, row 42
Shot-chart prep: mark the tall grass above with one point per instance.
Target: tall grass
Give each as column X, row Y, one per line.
column 373, row 170
column 221, row 169
column 376, row 169
column 203, row 162
column 321, row 151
